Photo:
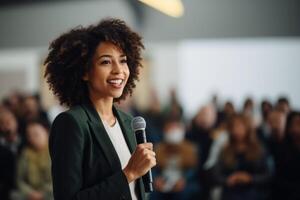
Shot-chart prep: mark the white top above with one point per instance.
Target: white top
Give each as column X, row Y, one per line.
column 117, row 138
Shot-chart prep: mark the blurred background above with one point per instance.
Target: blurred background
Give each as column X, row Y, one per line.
column 219, row 90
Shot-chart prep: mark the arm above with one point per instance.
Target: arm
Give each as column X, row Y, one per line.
column 66, row 147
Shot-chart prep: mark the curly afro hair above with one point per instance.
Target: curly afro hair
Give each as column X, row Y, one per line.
column 70, row 57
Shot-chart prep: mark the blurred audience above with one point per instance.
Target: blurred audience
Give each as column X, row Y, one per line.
column 13, row 103
column 286, row 182
column 283, row 104
column 264, row 130
column 10, row 147
column 7, row 172
column 201, row 134
column 277, row 123
column 242, row 169
column 32, row 111
column 10, row 138
column 174, row 108
column 248, row 109
column 225, row 114
column 176, row 164
column 219, row 154
column 33, row 172
column 154, row 118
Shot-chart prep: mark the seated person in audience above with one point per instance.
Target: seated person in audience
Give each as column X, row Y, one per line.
column 10, row 147
column 9, row 136
column 242, row 169
column 248, row 108
column 201, row 129
column 32, row 111
column 225, row 114
column 264, row 131
column 283, row 104
column 287, row 162
column 277, row 122
column 34, row 173
column 7, row 172
column 201, row 134
column 176, row 164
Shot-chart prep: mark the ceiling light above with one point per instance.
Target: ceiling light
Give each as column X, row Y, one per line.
column 173, row 8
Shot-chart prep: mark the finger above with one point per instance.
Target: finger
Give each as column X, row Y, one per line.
column 146, row 152
column 147, row 145
column 149, row 156
column 153, row 153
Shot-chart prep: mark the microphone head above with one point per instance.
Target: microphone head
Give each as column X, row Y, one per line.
column 138, row 123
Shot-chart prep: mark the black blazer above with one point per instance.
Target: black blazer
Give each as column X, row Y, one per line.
column 85, row 165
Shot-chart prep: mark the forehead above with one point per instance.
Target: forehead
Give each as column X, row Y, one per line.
column 108, row 48
column 34, row 127
column 6, row 115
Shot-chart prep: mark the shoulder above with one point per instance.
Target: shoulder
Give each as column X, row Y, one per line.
column 67, row 128
column 75, row 114
column 70, row 122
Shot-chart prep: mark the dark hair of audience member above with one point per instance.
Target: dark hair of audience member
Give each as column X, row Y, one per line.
column 253, row 149
column 292, row 128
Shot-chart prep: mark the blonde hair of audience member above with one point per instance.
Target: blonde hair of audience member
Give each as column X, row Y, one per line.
column 242, row 139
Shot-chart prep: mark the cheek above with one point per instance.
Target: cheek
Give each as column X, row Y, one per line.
column 97, row 76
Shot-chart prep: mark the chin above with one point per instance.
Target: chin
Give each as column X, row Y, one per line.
column 116, row 95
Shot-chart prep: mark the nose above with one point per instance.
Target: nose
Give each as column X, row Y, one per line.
column 117, row 68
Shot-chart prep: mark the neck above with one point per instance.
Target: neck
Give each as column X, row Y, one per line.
column 103, row 106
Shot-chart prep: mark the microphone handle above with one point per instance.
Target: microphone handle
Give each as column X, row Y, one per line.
column 147, row 178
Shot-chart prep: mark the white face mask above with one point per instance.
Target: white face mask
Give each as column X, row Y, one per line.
column 174, row 137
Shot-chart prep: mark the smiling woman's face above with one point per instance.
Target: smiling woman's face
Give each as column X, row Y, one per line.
column 109, row 73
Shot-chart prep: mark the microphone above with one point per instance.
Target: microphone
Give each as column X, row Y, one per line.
column 138, row 125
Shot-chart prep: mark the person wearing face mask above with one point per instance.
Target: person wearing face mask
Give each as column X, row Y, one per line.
column 176, row 164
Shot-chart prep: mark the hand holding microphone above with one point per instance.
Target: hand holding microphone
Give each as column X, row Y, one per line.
column 143, row 158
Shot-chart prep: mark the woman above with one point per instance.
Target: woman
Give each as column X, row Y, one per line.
column 92, row 146
column 34, row 175
column 242, row 169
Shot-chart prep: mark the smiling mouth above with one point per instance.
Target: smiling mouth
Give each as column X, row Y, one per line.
column 116, row 82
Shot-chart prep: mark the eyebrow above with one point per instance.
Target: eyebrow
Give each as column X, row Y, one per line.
column 109, row 56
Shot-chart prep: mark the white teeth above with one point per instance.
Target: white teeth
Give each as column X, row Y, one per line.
column 115, row 81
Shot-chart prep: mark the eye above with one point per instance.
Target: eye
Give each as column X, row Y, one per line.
column 105, row 62
column 124, row 60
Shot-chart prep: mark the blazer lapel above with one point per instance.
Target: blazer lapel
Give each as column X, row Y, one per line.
column 101, row 136
column 125, row 123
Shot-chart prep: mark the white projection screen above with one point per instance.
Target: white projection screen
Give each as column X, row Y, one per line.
column 237, row 68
